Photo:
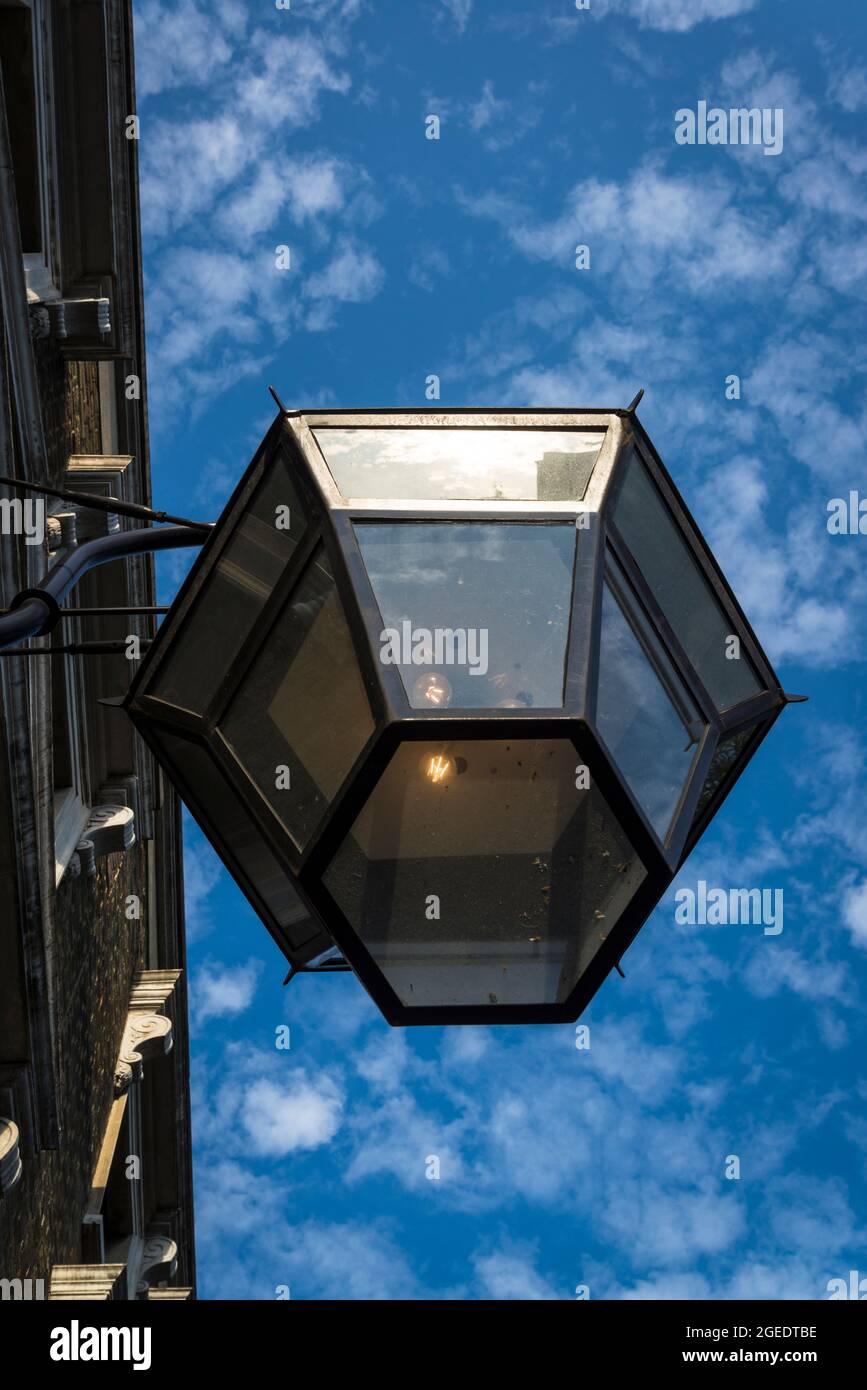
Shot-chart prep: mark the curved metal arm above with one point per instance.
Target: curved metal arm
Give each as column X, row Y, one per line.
column 36, row 611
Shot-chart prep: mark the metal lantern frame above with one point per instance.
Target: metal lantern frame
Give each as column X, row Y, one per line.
column 331, row 519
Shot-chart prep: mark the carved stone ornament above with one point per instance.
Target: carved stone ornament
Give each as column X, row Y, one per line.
column 145, row 1035
column 159, row 1262
column 110, row 829
column 148, row 1031
column 10, row 1158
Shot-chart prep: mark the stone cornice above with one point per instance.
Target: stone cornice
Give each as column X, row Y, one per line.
column 95, row 1283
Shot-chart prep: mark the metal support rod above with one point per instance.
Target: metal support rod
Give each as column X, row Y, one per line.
column 142, row 610
column 36, row 611
column 96, row 503
column 108, row 648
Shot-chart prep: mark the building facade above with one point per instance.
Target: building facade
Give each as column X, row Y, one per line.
column 95, row 1158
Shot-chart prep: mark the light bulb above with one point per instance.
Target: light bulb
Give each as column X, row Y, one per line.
column 437, row 767
column 432, row 690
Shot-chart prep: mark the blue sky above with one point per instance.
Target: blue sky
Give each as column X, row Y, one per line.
column 262, row 127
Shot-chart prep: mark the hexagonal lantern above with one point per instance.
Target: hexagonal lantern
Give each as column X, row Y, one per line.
column 456, row 694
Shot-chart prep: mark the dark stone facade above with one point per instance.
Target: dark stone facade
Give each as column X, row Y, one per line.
column 93, row 1029
column 98, row 952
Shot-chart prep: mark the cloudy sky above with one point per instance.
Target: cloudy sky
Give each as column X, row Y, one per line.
column 305, row 128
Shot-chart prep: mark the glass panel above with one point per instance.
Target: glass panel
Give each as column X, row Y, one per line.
column 679, row 586
column 302, row 706
column 201, row 785
column 234, row 594
column 478, row 873
column 475, row 614
column 722, row 765
column 644, row 712
column 481, row 464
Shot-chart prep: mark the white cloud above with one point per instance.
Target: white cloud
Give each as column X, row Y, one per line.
column 299, row 1114
column 509, row 1273
column 353, row 276
column 652, row 228
column 182, row 43
column 849, row 88
column 349, row 1260
column 855, row 913
column 219, row 195
column 487, row 109
column 223, row 991
column 675, row 16
column 460, row 11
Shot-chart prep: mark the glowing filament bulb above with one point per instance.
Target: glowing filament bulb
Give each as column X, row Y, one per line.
column 431, row 689
column 437, row 767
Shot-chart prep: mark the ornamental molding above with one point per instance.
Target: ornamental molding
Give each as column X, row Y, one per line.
column 148, row 1030
column 94, row 1283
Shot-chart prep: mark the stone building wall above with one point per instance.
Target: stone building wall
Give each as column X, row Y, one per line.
column 97, row 954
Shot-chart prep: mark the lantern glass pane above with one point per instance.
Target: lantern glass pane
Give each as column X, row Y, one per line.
column 234, row 593
column 475, row 614
column 479, row 872
column 300, row 717
column 483, row 464
column 680, row 587
column 215, row 805
column 723, row 763
column 646, row 716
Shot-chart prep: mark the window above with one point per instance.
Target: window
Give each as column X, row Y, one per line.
column 71, row 792
column 25, row 64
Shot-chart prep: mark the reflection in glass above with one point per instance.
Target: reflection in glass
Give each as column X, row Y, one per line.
column 302, row 706
column 461, row 464
column 475, row 614
column 722, row 765
column 644, row 712
column 235, row 593
column 680, row 588
column 478, row 873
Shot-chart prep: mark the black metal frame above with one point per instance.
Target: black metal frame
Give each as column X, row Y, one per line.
column 331, row 520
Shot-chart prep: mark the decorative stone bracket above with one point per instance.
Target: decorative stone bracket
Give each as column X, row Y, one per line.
column 110, row 829
column 10, row 1158
column 148, row 1031
column 159, row 1263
